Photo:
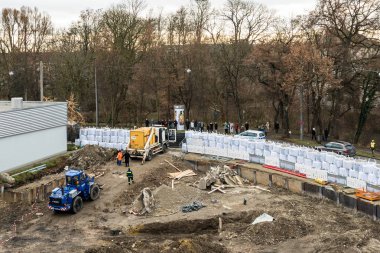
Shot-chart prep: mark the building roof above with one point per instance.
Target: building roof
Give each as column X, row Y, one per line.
column 32, row 117
column 6, row 106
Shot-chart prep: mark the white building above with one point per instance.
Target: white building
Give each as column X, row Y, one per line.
column 31, row 131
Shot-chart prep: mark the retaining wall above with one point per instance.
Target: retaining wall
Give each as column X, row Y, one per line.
column 36, row 194
column 259, row 175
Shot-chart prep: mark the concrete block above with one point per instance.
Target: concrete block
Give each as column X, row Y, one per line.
column 329, row 194
column 17, row 197
column 247, row 174
column 8, row 196
column 295, row 185
column 365, row 207
column 202, row 184
column 378, row 211
column 347, row 201
column 279, row 181
column 262, row 178
column 312, row 189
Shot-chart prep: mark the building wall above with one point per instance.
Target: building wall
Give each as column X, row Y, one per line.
column 36, row 132
column 20, row 150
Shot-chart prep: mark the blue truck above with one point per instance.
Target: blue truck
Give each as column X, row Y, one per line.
column 79, row 187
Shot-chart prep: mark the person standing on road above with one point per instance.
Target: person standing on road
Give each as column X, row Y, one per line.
column 126, row 158
column 187, row 123
column 313, row 134
column 326, row 134
column 216, row 127
column 119, row 158
column 226, row 127
column 237, row 128
column 146, row 122
column 373, row 146
column 130, row 176
column 246, row 126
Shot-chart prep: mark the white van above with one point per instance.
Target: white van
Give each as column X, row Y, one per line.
column 251, row 135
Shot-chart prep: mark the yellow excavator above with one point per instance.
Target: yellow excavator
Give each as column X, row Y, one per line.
column 145, row 142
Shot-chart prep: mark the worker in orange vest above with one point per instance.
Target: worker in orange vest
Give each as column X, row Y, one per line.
column 119, row 158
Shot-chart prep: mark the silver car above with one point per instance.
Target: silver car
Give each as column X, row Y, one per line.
column 339, row 147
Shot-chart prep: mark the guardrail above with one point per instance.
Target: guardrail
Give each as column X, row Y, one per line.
column 35, row 169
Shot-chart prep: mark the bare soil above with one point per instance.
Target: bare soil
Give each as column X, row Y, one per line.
column 301, row 223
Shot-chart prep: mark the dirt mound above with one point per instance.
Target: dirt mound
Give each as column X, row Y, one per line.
column 281, row 229
column 195, row 244
column 91, row 157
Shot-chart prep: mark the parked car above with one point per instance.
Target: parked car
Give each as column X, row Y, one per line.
column 339, row 147
column 251, row 135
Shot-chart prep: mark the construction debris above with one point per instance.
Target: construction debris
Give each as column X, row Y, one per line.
column 144, row 203
column 220, row 176
column 216, row 189
column 263, row 218
column 91, row 157
column 179, row 175
column 6, row 178
column 195, row 206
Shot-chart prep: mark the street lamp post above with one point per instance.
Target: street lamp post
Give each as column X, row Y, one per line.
column 41, row 81
column 96, row 99
column 301, row 112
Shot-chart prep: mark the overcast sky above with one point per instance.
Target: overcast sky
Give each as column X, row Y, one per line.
column 64, row 12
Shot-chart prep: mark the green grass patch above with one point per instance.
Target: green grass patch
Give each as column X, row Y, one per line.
column 367, row 154
column 55, row 165
column 307, row 143
column 71, row 147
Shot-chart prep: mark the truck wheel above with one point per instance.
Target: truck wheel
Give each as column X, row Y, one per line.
column 150, row 156
column 77, row 204
column 94, row 192
column 164, row 148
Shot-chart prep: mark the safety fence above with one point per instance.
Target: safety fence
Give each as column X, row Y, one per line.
column 304, row 161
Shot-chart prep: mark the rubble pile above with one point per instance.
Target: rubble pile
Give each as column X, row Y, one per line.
column 220, row 176
column 91, row 157
column 144, row 203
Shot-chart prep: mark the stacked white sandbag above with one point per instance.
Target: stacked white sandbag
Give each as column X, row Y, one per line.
column 104, row 137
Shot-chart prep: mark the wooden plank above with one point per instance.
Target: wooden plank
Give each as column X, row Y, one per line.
column 173, row 165
column 216, row 189
column 179, row 175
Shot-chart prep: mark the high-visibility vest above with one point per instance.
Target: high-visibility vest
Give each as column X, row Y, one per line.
column 373, row 144
column 129, row 174
column 119, row 156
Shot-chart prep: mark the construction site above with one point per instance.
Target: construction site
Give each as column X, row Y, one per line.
column 187, row 203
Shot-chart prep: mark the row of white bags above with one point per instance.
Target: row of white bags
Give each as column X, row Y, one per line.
column 334, row 164
column 118, row 146
column 104, row 132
